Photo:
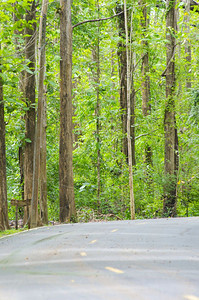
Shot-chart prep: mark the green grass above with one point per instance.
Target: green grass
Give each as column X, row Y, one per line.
column 9, row 232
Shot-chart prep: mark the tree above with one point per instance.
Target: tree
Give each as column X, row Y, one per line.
column 129, row 84
column 100, row 124
column 3, row 182
column 16, row 18
column 39, row 125
column 66, row 184
column 29, row 94
column 123, row 76
column 43, row 170
column 171, row 141
column 188, row 45
column 96, row 79
column 145, row 84
column 123, row 86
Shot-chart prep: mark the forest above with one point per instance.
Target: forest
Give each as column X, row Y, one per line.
column 99, row 110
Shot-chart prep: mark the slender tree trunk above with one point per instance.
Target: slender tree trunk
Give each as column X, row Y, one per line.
column 129, row 84
column 170, row 163
column 123, row 78
column 43, row 171
column 66, row 184
column 96, row 79
column 145, row 84
column 39, row 126
column 122, row 57
column 16, row 18
column 21, row 168
column 3, row 183
column 132, row 120
column 132, row 90
column 98, row 113
column 29, row 93
column 188, row 45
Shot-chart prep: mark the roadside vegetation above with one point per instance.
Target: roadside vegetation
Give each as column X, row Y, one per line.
column 134, row 143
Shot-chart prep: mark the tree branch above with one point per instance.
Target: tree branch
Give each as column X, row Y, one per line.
column 97, row 20
column 164, row 73
column 144, row 134
column 134, row 67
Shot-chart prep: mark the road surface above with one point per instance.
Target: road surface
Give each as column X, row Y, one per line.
column 120, row 260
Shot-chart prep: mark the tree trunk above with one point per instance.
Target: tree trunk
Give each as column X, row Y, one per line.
column 66, row 185
column 43, row 171
column 123, row 78
column 187, row 45
column 98, row 114
column 96, row 73
column 29, row 93
column 145, row 84
column 39, row 126
column 3, row 183
column 129, row 84
column 132, row 121
column 96, row 79
column 122, row 57
column 169, row 205
column 21, row 168
column 16, row 18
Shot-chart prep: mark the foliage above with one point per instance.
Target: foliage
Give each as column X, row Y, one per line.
column 9, row 232
column 148, row 179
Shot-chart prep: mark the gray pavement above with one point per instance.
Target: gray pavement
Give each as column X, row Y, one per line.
column 120, row 260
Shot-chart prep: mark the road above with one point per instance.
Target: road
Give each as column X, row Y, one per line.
column 120, row 260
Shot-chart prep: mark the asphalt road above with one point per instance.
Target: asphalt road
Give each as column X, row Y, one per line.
column 123, row 260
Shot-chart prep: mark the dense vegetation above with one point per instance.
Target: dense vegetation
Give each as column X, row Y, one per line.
column 103, row 147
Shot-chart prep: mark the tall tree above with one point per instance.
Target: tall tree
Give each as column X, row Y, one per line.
column 170, row 130
column 123, row 86
column 145, row 84
column 39, row 125
column 188, row 44
column 123, row 76
column 29, row 94
column 98, row 109
column 129, row 85
column 16, row 17
column 43, row 171
column 66, row 184
column 96, row 77
column 3, row 183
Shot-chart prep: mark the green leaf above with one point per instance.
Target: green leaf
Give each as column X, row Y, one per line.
column 28, row 140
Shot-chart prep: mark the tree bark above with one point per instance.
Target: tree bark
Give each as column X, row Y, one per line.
column 3, row 183
column 122, row 57
column 39, row 125
column 16, row 18
column 21, row 168
column 132, row 120
column 145, row 84
column 187, row 45
column 129, row 84
column 66, row 184
column 98, row 115
column 169, row 205
column 43, row 171
column 29, row 93
column 96, row 79
column 123, row 78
